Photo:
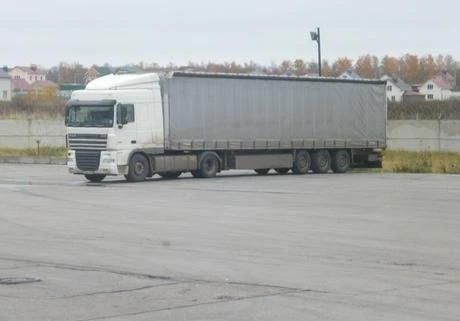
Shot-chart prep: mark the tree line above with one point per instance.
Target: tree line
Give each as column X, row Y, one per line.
column 411, row 68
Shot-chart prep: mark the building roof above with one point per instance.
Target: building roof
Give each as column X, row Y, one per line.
column 444, row 80
column 350, row 74
column 398, row 82
column 31, row 70
column 20, row 84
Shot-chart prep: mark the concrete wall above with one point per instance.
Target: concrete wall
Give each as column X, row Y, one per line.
column 25, row 133
column 412, row 135
column 419, row 135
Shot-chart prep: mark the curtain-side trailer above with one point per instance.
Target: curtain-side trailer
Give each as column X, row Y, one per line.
column 138, row 125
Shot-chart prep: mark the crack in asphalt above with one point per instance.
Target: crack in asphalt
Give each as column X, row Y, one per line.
column 207, row 303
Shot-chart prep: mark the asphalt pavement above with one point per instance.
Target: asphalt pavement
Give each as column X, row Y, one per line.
column 240, row 246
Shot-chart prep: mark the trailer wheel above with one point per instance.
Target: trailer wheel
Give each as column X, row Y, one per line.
column 138, row 168
column 95, row 178
column 340, row 162
column 262, row 171
column 282, row 170
column 209, row 165
column 302, row 162
column 170, row 174
column 321, row 161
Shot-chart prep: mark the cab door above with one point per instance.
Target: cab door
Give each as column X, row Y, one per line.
column 126, row 127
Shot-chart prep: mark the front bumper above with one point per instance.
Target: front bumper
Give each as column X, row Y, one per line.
column 107, row 164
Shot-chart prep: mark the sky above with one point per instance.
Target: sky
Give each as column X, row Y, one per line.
column 119, row 32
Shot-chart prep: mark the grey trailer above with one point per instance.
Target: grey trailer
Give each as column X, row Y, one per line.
column 235, row 121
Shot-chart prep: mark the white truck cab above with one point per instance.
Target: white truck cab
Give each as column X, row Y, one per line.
column 108, row 121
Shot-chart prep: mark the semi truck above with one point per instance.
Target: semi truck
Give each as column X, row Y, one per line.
column 139, row 125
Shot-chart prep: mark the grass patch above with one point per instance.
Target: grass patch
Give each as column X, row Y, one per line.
column 45, row 151
column 421, row 162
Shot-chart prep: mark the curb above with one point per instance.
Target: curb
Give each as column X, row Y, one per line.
column 52, row 160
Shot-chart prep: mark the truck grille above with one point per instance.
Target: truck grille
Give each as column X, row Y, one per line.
column 88, row 160
column 87, row 141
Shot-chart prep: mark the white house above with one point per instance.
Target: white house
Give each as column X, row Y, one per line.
column 396, row 88
column 350, row 74
column 439, row 88
column 5, row 86
column 29, row 74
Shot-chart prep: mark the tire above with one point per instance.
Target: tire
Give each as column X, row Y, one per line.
column 209, row 165
column 95, row 178
column 282, row 170
column 262, row 171
column 138, row 168
column 321, row 161
column 302, row 162
column 170, row 174
column 340, row 162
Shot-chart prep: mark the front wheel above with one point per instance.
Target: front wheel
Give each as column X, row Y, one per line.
column 138, row 168
column 262, row 171
column 95, row 178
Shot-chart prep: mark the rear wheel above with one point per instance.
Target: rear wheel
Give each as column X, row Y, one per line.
column 170, row 174
column 209, row 165
column 262, row 171
column 340, row 162
column 321, row 161
column 138, row 168
column 282, row 170
column 302, row 162
column 95, row 178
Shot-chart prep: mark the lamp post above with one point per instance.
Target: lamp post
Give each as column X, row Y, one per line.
column 315, row 36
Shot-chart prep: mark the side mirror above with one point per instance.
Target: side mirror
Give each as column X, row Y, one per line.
column 122, row 113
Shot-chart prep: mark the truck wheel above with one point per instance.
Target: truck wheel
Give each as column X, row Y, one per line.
column 302, row 162
column 170, row 174
column 262, row 171
column 321, row 161
column 209, row 165
column 340, row 162
column 195, row 174
column 282, row 170
column 95, row 178
column 138, row 168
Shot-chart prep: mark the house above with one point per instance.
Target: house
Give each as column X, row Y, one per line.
column 350, row 74
column 29, row 74
column 5, row 85
column 96, row 72
column 440, row 87
column 396, row 89
column 20, row 86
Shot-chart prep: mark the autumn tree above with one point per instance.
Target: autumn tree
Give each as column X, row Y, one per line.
column 286, row 67
column 364, row 66
column 300, row 67
column 410, row 68
column 341, row 65
column 427, row 68
column 389, row 66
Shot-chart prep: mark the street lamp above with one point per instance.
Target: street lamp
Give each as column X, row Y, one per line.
column 315, row 36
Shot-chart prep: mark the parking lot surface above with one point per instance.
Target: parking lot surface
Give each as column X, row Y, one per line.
column 356, row 246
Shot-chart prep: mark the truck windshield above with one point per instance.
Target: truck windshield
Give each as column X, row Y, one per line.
column 89, row 116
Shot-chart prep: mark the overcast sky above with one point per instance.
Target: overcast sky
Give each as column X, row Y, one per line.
column 119, row 32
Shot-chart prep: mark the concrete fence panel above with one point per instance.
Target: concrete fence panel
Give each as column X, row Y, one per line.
column 413, row 135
